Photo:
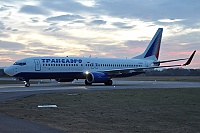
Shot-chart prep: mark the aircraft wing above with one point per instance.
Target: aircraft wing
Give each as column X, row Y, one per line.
column 190, row 59
column 140, row 69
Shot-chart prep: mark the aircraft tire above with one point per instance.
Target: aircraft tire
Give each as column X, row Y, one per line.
column 27, row 84
column 109, row 82
column 87, row 83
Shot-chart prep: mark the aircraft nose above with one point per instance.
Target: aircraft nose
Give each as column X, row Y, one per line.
column 9, row 71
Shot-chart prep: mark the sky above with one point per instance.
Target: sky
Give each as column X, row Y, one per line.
column 100, row 28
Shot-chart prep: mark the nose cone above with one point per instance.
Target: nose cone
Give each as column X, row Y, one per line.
column 9, row 70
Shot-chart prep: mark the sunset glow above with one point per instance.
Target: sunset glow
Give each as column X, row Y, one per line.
column 115, row 29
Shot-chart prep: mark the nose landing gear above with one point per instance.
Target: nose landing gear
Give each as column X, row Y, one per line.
column 27, row 83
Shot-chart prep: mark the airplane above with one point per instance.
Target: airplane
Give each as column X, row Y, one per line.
column 93, row 70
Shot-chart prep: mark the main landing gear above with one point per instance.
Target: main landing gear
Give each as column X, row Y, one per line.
column 109, row 82
column 27, row 83
column 87, row 83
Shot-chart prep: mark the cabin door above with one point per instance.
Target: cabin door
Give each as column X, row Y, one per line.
column 37, row 65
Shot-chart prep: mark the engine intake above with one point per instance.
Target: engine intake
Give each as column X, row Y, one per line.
column 97, row 77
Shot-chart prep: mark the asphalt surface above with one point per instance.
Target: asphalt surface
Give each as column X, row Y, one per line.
column 15, row 91
column 13, row 125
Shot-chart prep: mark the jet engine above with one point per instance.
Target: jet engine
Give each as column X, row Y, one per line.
column 98, row 77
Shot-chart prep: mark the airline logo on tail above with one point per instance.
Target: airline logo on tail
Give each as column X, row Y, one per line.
column 152, row 50
column 154, row 45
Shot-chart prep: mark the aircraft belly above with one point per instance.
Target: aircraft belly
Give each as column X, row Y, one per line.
column 51, row 75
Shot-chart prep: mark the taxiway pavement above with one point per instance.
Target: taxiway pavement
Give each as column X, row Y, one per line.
column 14, row 91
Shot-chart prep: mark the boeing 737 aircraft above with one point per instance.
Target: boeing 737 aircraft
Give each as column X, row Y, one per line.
column 93, row 70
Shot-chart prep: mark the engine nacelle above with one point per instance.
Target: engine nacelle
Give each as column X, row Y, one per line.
column 64, row 80
column 97, row 77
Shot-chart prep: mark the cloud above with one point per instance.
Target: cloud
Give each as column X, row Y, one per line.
column 3, row 8
column 36, row 52
column 39, row 45
column 107, row 28
column 66, row 6
column 38, row 48
column 97, row 22
column 30, row 9
column 11, row 29
column 79, row 21
column 122, row 25
column 2, row 26
column 52, row 29
column 34, row 20
column 2, row 35
column 137, row 46
column 67, row 17
column 151, row 10
column 134, row 43
column 11, row 45
column 170, row 20
column 35, row 44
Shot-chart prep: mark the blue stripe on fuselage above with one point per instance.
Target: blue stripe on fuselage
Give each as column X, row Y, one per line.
column 52, row 75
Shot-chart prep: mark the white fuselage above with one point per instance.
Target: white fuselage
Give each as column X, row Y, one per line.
column 70, row 67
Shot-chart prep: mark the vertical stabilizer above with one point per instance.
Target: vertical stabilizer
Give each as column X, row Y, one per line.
column 152, row 51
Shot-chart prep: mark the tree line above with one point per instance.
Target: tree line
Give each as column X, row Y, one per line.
column 173, row 72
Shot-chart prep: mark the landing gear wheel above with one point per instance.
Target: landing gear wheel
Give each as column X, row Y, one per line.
column 87, row 83
column 109, row 82
column 27, row 84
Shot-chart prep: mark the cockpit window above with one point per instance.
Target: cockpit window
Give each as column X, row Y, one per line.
column 19, row 63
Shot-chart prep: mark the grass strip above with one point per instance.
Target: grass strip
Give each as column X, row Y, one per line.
column 131, row 110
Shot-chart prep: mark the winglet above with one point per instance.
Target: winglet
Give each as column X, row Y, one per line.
column 190, row 59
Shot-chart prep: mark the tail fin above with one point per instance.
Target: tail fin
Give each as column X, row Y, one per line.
column 152, row 51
